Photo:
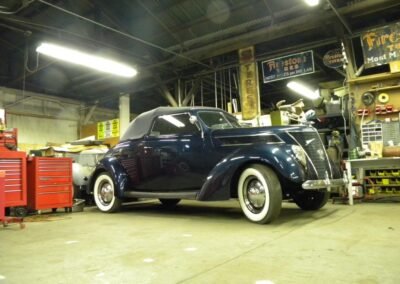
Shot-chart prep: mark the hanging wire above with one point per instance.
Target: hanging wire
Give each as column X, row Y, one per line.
column 124, row 34
column 26, row 60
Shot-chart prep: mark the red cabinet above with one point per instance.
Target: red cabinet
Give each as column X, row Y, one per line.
column 50, row 183
column 13, row 163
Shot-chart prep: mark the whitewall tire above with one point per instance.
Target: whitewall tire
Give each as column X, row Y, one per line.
column 104, row 194
column 260, row 194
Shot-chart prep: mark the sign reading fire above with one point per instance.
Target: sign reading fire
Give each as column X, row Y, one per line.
column 381, row 45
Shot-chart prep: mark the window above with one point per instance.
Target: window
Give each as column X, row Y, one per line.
column 171, row 124
column 217, row 120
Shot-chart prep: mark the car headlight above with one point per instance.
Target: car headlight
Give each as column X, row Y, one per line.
column 300, row 154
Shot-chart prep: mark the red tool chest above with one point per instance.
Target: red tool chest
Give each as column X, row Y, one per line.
column 13, row 163
column 2, row 203
column 50, row 183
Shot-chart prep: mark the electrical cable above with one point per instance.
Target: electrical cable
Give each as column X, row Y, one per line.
column 23, row 5
column 124, row 34
column 26, row 59
column 42, row 27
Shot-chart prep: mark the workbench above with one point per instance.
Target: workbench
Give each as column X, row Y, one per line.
column 361, row 165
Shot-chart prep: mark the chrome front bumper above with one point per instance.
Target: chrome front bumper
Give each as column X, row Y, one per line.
column 324, row 183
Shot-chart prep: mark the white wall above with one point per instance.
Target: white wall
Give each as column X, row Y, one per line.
column 42, row 119
column 34, row 130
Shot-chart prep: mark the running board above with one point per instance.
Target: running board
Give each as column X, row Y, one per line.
column 166, row 195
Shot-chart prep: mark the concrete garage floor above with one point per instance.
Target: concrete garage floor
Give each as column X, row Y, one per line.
column 206, row 243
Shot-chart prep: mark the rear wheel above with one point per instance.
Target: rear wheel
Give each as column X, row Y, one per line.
column 311, row 199
column 260, row 194
column 104, row 194
column 169, row 203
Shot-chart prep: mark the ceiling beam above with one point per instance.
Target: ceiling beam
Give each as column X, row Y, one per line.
column 278, row 30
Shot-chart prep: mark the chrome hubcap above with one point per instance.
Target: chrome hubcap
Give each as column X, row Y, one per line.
column 254, row 195
column 106, row 193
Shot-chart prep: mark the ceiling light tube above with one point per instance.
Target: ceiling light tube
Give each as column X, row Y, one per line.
column 303, row 90
column 173, row 120
column 84, row 59
column 312, row 3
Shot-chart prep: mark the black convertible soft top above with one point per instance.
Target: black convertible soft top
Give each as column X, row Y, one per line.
column 141, row 124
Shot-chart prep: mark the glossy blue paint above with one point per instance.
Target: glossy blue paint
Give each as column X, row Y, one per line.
column 279, row 157
column 203, row 159
column 112, row 166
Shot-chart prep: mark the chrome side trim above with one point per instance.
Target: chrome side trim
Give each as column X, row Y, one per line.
column 253, row 135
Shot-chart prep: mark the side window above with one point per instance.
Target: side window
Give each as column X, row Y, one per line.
column 172, row 125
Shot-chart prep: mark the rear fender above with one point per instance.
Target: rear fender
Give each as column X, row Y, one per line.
column 112, row 166
column 279, row 157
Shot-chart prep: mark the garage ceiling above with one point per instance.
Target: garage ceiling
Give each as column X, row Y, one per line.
column 171, row 40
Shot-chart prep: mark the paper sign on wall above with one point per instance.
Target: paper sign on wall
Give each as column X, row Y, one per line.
column 108, row 129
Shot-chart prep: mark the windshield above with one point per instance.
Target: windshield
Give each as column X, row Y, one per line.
column 218, row 120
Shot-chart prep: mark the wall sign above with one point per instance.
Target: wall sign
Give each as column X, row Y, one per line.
column 381, row 45
column 288, row 66
column 108, row 129
column 248, row 83
column 333, row 58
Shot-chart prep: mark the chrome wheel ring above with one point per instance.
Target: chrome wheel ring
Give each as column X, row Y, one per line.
column 254, row 195
column 106, row 193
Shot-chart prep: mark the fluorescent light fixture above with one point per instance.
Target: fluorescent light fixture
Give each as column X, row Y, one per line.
column 312, row 3
column 173, row 121
column 84, row 59
column 303, row 90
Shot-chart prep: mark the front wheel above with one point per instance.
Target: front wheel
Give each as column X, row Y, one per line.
column 104, row 194
column 260, row 194
column 311, row 199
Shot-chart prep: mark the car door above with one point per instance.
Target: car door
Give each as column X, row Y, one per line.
column 171, row 157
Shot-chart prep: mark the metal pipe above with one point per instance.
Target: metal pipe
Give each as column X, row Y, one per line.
column 179, row 93
column 215, row 89
column 221, row 90
column 342, row 20
column 201, row 92
column 230, row 86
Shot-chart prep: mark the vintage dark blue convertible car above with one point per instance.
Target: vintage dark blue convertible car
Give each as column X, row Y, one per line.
column 204, row 154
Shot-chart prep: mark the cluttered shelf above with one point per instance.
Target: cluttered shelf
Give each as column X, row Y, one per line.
column 387, row 88
column 374, row 78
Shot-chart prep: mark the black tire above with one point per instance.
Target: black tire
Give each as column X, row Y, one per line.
column 260, row 194
column 169, row 203
column 20, row 211
column 104, row 194
column 311, row 199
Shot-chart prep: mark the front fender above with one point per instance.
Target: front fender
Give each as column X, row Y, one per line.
column 279, row 157
column 112, row 166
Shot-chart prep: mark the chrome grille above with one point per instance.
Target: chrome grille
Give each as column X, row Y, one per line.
column 312, row 144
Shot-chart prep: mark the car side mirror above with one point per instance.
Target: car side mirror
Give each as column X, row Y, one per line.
column 193, row 120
